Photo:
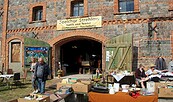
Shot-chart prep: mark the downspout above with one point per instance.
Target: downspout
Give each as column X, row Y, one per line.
column 4, row 33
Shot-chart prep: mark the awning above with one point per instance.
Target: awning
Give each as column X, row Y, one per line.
column 35, row 42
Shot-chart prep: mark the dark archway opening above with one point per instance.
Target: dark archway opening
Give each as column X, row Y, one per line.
column 87, row 50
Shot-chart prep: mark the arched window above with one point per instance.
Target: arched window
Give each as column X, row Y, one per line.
column 15, row 51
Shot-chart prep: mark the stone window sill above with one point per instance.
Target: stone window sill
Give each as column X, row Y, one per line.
column 121, row 13
column 39, row 21
column 71, row 17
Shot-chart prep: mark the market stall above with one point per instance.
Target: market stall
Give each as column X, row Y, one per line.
column 120, row 97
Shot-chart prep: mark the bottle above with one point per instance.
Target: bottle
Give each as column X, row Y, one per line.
column 143, row 91
column 59, row 65
column 111, row 90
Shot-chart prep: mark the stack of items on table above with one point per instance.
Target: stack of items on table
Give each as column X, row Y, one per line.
column 164, row 89
column 133, row 91
column 74, row 83
column 33, row 98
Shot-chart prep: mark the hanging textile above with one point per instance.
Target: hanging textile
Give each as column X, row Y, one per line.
column 160, row 63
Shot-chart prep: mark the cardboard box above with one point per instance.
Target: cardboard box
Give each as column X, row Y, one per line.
column 165, row 92
column 15, row 100
column 74, row 80
column 80, row 87
column 54, row 97
column 162, row 85
column 159, row 85
column 45, row 99
column 65, row 90
column 59, row 85
column 86, row 82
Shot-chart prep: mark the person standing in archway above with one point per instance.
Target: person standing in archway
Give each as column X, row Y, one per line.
column 99, row 64
column 79, row 63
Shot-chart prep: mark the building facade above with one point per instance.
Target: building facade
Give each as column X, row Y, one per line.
column 149, row 21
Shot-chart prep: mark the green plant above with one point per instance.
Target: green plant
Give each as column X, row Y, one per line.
column 59, row 72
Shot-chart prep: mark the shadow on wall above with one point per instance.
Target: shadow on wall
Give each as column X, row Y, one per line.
column 135, row 58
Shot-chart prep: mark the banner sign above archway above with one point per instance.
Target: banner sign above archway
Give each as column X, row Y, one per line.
column 77, row 23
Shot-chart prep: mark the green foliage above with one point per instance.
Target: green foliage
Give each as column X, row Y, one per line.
column 99, row 76
column 35, row 43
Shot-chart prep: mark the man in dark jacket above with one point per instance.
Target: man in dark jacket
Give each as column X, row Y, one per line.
column 41, row 74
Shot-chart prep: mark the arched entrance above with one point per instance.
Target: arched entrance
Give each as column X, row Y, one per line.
column 67, row 47
column 74, row 52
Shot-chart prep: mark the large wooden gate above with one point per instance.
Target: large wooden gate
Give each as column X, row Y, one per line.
column 119, row 53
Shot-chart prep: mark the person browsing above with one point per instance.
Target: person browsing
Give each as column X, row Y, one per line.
column 32, row 69
column 140, row 75
column 41, row 74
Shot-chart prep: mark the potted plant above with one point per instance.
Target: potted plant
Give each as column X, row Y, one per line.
column 59, row 73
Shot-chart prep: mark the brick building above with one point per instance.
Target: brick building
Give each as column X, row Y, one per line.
column 149, row 21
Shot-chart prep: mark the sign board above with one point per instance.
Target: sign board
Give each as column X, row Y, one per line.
column 36, row 52
column 77, row 23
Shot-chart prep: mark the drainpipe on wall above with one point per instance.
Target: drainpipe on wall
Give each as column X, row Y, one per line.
column 4, row 33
